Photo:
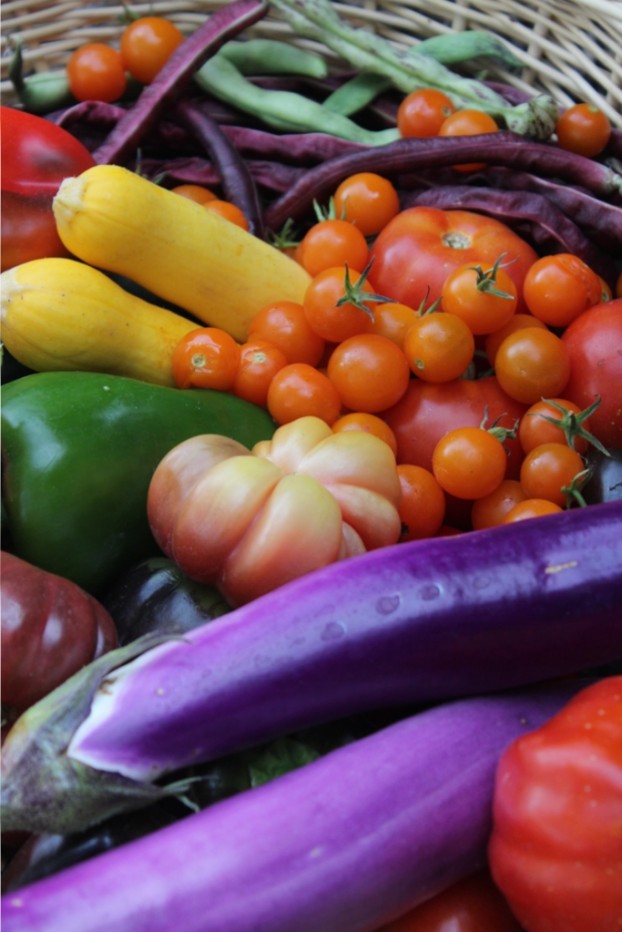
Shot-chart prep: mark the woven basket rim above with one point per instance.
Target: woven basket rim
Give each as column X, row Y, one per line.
column 570, row 49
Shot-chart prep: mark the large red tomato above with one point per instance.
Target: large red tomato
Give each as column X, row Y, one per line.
column 428, row 411
column 416, row 251
column 594, row 344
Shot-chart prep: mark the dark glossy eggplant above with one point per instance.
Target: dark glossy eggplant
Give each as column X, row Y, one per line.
column 155, row 596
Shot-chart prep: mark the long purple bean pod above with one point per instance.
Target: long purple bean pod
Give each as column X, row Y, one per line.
column 343, row 844
column 237, row 182
column 601, row 219
column 155, row 99
column 410, row 155
column 418, row 622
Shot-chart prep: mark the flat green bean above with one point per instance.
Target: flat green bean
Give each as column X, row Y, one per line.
column 271, row 56
column 282, row 110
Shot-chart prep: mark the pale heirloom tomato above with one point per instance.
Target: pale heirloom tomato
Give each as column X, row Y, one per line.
column 250, row 520
column 413, row 255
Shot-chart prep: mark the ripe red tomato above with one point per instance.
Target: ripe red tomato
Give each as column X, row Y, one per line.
column 594, row 344
column 428, row 411
column 556, row 845
column 413, row 255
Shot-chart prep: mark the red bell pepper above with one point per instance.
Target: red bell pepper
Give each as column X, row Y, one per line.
column 36, row 156
column 556, row 846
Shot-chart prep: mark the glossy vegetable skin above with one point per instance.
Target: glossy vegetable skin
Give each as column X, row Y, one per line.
column 415, row 252
column 474, row 904
column 156, row 596
column 36, row 156
column 342, row 844
column 173, row 247
column 79, row 449
column 50, row 629
column 250, row 520
column 421, row 621
column 556, row 845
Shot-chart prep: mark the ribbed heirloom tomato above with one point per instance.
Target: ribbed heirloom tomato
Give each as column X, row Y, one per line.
column 413, row 255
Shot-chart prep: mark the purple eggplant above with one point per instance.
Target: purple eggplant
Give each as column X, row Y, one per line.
column 419, row 622
column 343, row 844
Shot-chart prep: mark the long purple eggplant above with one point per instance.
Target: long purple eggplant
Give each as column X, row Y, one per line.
column 343, row 844
column 418, row 622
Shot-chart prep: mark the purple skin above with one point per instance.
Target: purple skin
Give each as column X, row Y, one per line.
column 156, row 98
column 420, row 622
column 411, row 155
column 344, row 844
column 233, row 173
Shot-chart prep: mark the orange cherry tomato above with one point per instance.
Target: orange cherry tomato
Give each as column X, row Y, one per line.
column 531, row 508
column 329, row 310
column 393, row 320
column 468, row 122
column 584, row 129
column 259, row 363
column 422, row 504
column 368, row 200
column 370, row 423
column 195, row 192
column 549, row 470
column 206, row 358
column 147, row 44
column 439, row 347
column 298, row 390
column 532, row 363
column 491, row 510
column 332, row 242
column 95, row 71
column 558, row 288
column 469, row 462
column 228, row 211
column 537, row 425
column 284, row 324
column 485, row 299
column 369, row 371
column 422, row 113
column 516, row 322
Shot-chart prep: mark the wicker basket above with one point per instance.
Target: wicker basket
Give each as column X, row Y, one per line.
column 569, row 48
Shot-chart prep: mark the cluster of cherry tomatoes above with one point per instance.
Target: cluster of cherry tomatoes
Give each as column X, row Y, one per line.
column 99, row 71
column 582, row 128
column 490, row 345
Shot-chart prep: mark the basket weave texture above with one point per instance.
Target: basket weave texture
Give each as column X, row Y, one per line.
column 571, row 49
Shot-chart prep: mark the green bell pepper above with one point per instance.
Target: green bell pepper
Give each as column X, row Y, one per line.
column 78, row 453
